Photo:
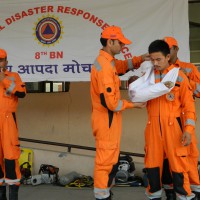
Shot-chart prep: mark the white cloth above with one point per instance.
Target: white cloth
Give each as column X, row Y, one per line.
column 145, row 88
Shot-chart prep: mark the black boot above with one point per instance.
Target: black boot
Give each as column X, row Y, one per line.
column 197, row 195
column 3, row 193
column 170, row 194
column 13, row 192
column 157, row 199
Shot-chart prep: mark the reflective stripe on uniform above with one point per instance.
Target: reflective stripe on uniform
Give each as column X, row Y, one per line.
column 183, row 197
column 12, row 182
column 12, row 86
column 195, row 188
column 162, row 76
column 190, row 122
column 179, row 79
column 197, row 89
column 119, row 106
column 157, row 76
column 97, row 65
column 154, row 195
column 113, row 63
column 188, row 70
column 130, row 64
column 101, row 193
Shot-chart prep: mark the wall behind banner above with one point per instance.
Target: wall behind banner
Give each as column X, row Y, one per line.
column 65, row 118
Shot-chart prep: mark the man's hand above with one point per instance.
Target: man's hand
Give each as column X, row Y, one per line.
column 140, row 104
column 146, row 57
column 132, row 79
column 186, row 139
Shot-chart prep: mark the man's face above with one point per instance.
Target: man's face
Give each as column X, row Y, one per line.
column 3, row 64
column 160, row 61
column 116, row 47
column 173, row 53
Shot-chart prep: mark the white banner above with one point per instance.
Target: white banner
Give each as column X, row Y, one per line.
column 59, row 40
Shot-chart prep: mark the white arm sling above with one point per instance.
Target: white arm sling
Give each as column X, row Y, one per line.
column 145, row 88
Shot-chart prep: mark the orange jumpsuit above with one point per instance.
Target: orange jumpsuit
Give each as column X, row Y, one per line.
column 193, row 75
column 163, row 136
column 107, row 117
column 11, row 87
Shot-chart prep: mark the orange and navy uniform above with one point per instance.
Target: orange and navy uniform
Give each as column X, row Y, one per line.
column 107, row 117
column 11, row 88
column 163, row 135
column 193, row 75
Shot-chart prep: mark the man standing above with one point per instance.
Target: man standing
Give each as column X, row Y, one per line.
column 164, row 134
column 193, row 75
column 107, row 107
column 11, row 88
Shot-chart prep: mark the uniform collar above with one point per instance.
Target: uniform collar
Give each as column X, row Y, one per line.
column 106, row 55
column 169, row 68
column 177, row 63
column 166, row 70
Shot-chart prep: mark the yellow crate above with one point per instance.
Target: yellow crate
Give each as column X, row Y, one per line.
column 26, row 156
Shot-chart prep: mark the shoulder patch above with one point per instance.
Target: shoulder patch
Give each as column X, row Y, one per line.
column 170, row 96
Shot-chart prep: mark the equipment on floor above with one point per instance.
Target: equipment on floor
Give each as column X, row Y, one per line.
column 125, row 175
column 26, row 156
column 26, row 164
column 125, row 167
column 68, row 178
column 48, row 174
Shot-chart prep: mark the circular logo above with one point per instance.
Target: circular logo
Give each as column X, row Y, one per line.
column 170, row 96
column 48, row 30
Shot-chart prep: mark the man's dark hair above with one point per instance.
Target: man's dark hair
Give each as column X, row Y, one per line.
column 159, row 46
column 103, row 42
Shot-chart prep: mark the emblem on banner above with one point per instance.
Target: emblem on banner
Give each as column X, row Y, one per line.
column 170, row 96
column 48, row 30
